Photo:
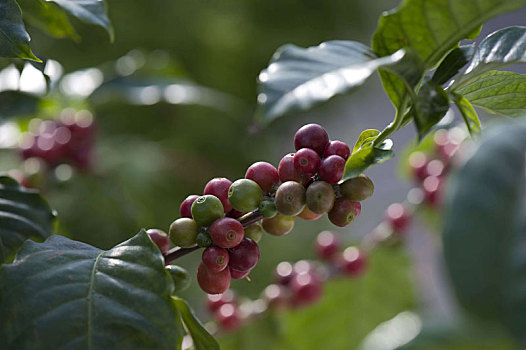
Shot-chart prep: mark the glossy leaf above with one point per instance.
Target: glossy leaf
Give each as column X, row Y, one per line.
column 431, row 29
column 432, row 103
column 498, row 92
column 63, row 294
column 201, row 338
column 365, row 154
column 483, row 247
column 17, row 104
column 468, row 114
column 49, row 18
column 298, row 78
column 24, row 214
column 453, row 63
column 89, row 11
column 14, row 39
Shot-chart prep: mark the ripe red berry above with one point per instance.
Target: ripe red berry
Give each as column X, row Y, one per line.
column 186, row 206
column 331, row 169
column 228, row 317
column 432, row 187
column 276, row 296
column 396, row 215
column 235, row 214
column 337, row 148
column 283, row 273
column 287, row 172
column 215, row 258
column 265, row 175
column 352, row 262
column 244, row 256
column 306, row 288
column 213, row 282
column 160, row 238
column 327, row 245
column 344, row 211
column 417, row 164
column 311, row 136
column 306, row 161
column 435, row 168
column 219, row 187
column 227, row 232
column 215, row 301
column 237, row 275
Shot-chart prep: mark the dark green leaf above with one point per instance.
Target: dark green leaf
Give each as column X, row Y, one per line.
column 483, row 249
column 14, row 40
column 89, row 11
column 431, row 29
column 498, row 92
column 468, row 114
column 432, row 103
column 63, row 294
column 297, row 78
column 17, row 104
column 49, row 18
column 24, row 214
column 454, row 61
column 365, row 154
column 200, row 336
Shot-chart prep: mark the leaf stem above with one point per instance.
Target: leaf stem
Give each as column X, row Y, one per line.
column 394, row 125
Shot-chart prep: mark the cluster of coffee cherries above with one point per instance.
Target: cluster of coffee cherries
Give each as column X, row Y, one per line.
column 69, row 139
column 229, row 219
column 295, row 285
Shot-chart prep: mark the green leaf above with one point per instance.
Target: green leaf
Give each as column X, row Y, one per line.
column 298, row 79
column 432, row 103
column 17, row 104
column 89, row 11
column 49, row 18
column 468, row 114
column 365, row 154
column 24, row 214
column 454, row 61
column 497, row 92
column 483, row 247
column 431, row 29
column 200, row 336
column 63, row 294
column 14, row 40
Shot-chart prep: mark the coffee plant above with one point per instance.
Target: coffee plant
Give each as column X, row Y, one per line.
column 60, row 293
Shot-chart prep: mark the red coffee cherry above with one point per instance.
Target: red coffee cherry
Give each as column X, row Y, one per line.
column 215, row 301
column 227, row 232
column 186, row 206
column 276, row 296
column 352, row 262
column 283, row 273
column 311, row 136
column 327, row 245
column 306, row 288
column 265, row 175
column 213, row 282
column 235, row 214
column 244, row 256
column 331, row 169
column 397, row 216
column 287, row 171
column 228, row 317
column 417, row 164
column 219, row 187
column 337, row 148
column 160, row 238
column 306, row 161
column 215, row 258
column 432, row 187
column 237, row 275
column 344, row 211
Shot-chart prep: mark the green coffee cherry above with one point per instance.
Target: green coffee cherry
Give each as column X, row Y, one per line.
column 207, row 209
column 245, row 195
column 290, row 198
column 254, row 232
column 183, row 232
column 320, row 197
column 279, row 225
column 180, row 277
column 267, row 208
column 203, row 239
column 358, row 188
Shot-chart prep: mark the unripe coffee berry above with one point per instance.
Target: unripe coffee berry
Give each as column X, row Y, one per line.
column 254, row 232
column 265, row 175
column 213, row 282
column 327, row 245
column 237, row 275
column 290, row 198
column 228, row 317
column 227, row 232
column 186, row 206
column 244, row 256
column 306, row 161
column 352, row 262
column 203, row 239
column 320, row 197
column 331, row 169
column 245, row 195
column 279, row 225
column 180, row 277
column 337, row 148
column 267, row 208
column 160, row 238
column 287, row 171
column 344, row 211
column 358, row 188
column 219, row 187
column 207, row 209
column 183, row 232
column 215, row 258
column 311, row 136
column 308, row 214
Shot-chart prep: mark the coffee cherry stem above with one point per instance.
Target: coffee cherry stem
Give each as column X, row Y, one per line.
column 251, row 218
column 177, row 252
